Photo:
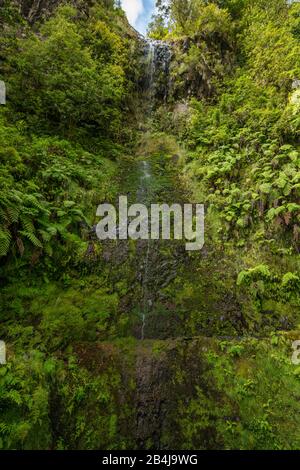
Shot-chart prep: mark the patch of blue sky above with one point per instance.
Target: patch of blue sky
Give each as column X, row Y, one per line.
column 139, row 13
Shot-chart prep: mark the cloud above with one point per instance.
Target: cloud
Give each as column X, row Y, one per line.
column 134, row 9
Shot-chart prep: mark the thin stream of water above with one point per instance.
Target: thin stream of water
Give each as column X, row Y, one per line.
column 144, row 193
column 158, row 58
column 145, row 291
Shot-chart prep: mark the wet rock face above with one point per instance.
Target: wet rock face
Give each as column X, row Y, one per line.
column 152, row 385
column 158, row 56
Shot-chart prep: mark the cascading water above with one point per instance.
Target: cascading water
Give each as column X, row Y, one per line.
column 151, row 66
column 153, row 263
column 156, row 87
column 144, row 194
column 158, row 58
column 145, row 292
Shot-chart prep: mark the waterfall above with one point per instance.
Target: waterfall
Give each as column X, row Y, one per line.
column 145, row 292
column 151, row 66
column 158, row 57
column 144, row 193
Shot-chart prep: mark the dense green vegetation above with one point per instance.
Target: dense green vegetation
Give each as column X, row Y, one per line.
column 213, row 368
column 240, row 62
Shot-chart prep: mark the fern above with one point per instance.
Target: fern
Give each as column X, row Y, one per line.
column 27, row 224
column 5, row 239
column 32, row 238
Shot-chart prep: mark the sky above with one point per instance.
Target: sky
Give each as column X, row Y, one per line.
column 139, row 13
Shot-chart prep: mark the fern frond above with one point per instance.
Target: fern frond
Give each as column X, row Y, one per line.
column 13, row 213
column 27, row 224
column 5, row 239
column 32, row 238
column 48, row 249
column 46, row 236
